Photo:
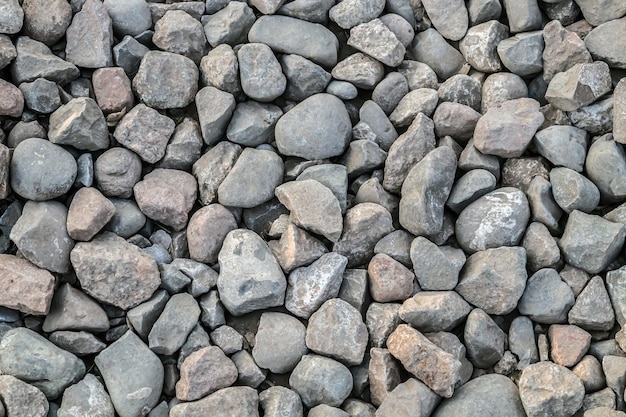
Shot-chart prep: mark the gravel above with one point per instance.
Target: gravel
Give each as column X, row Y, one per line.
column 357, row 208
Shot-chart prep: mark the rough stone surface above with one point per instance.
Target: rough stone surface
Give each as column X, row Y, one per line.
column 21, row 399
column 27, row 288
column 279, row 343
column 86, row 398
column 321, row 380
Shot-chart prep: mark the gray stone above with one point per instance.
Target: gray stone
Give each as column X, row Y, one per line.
column 87, row 398
column 279, row 401
column 296, row 248
column 12, row 103
column 614, row 367
column 483, row 338
column 12, row 17
column 449, row 17
column 597, row 13
column 433, row 177
column 230, row 25
column 227, row 339
column 359, row 69
column 116, row 171
column 288, row 35
column 128, row 54
column 432, row 49
column 90, row 37
column 542, row 250
column 220, row 69
column 206, row 231
column 591, row 242
column 260, row 73
column 547, row 389
column 133, row 375
column 462, row 89
column 21, row 399
column 127, row 220
column 496, row 219
column 418, row 75
column 606, row 43
column 204, row 372
column 400, row 26
column 212, row 310
column 114, row 271
column 27, row 355
column 304, row 78
column 249, row 372
column 337, row 330
column 321, row 380
column 614, row 284
column 354, row 288
column 27, row 288
column 142, row 317
column 501, row 87
column 211, row 169
column 324, row 410
column 253, row 123
column 389, row 280
column 396, row 244
column 592, row 309
column 41, row 170
column 279, row 343
column 434, row 311
column 71, row 309
column 455, row 120
column 563, row 49
column 84, row 175
column 41, row 235
column 564, row 146
column 267, row 6
column 81, row 124
column 375, row 39
column 436, row 267
column 546, row 298
column 311, row 11
column 184, row 147
column 421, row 100
column 595, row 118
column 194, row 8
column 323, row 133
column 129, row 17
column 354, row 12
column 179, row 33
column 409, row 399
column 177, row 320
column 41, row 96
column 250, row 277
column 166, row 80
column 236, row 401
column 471, row 186
column 381, row 320
column 619, row 112
column 573, row 191
column 579, row 86
column 35, row 60
column 7, row 51
column 479, row 46
column 522, row 54
column 523, row 16
column 522, row 341
column 363, row 156
column 543, row 207
column 309, row 287
column 483, row 10
column 373, row 116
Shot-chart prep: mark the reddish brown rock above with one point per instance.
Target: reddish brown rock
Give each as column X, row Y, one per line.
column 89, row 212
column 112, row 89
column 436, row 368
column 589, row 370
column 384, row 375
column 207, row 230
column 568, row 344
column 203, row 372
column 24, row 286
column 389, row 280
column 11, row 100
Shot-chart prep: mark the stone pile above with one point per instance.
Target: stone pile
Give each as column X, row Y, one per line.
column 286, row 208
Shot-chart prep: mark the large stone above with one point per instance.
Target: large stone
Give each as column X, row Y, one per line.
column 87, row 398
column 88, row 213
column 304, row 77
column 563, row 50
column 436, row 267
column 169, row 332
column 90, row 37
column 133, row 375
column 29, row 356
column 233, row 401
column 449, row 17
column 317, row 128
column 522, row 53
column 21, row 399
column 230, row 25
column 375, row 39
column 353, row 12
column 579, row 86
column 178, row 32
column 279, row 342
column 81, row 124
column 321, row 380
column 564, row 146
column 606, row 167
column 204, row 372
column 114, row 271
column 479, row 46
column 261, row 75
column 411, row 398
column 421, row 100
column 71, row 309
column 26, row 287
column 430, row 48
column 523, row 15
column 484, row 340
column 389, row 280
column 546, row 299
column 573, row 191
column 607, row 41
column 592, row 309
column 35, row 60
column 250, row 277
column 359, row 69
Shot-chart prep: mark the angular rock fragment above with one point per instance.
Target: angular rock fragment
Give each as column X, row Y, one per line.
column 593, row 309
column 230, row 25
column 71, row 309
column 434, row 311
column 352, row 13
column 35, row 60
column 430, row 48
column 88, row 213
column 90, row 37
column 279, row 401
column 580, row 85
column 483, row 338
column 177, row 320
column 304, row 77
column 546, row 299
column 27, row 288
column 606, row 42
column 573, row 191
column 479, row 46
column 378, row 41
column 260, row 73
column 86, row 398
column 179, row 33
column 522, row 53
column 389, row 280
column 359, row 69
column 321, row 380
column 606, row 167
column 563, row 50
column 22, row 399
column 203, row 372
column 450, row 17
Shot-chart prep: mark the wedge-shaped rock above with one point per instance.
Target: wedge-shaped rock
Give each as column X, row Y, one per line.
column 546, row 299
column 412, row 398
column 71, row 309
column 606, row 167
column 279, row 343
column 81, row 124
column 215, row 108
column 436, row 267
column 296, row 248
column 593, row 309
column 564, row 146
column 35, row 60
column 21, row 399
column 25, row 287
column 578, row 86
column 434, row 311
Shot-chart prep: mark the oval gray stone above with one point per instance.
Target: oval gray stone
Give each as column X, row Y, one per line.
column 321, row 380
column 279, row 342
column 261, row 75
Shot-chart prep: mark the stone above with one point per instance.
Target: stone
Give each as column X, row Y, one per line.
column 619, row 112
column 279, row 401
column 589, row 370
column 523, row 16
column 573, row 191
column 381, row 319
column 279, row 342
column 12, row 17
column 433, row 177
column 399, row 25
column 112, row 89
column 129, row 17
column 384, row 375
column 260, row 73
column 41, row 170
column 363, row 156
column 324, row 410
column 309, row 287
column 250, row 277
column 21, row 399
column 267, row 6
column 184, row 147
column 166, row 80
column 249, row 373
column 522, row 54
column 79, row 343
column 87, row 398
column 433, row 311
column 547, row 389
column 576, row 278
column 455, row 120
column 296, row 248
column 542, row 250
column 204, row 372
column 359, row 69
column 71, row 309
column 430, row 48
column 227, row 339
column 304, row 77
column 389, row 280
column 417, row 75
column 352, row 13
column 450, row 18
column 581, row 228
column 479, row 46
column 519, row 172
column 114, row 271
column 127, row 220
column 128, row 54
column 116, row 171
column 568, row 344
column 229, row 25
column 90, row 37
column 220, row 69
column 133, row 375
column 211, row 169
column 41, row 96
column 333, row 176
column 436, row 267
column 27, row 288
column 179, row 33
column 546, row 298
column 207, row 230
column 501, row 87
column 592, row 309
column 579, row 86
column 169, row 332
column 595, row 118
column 253, row 123
column 375, row 39
column 389, row 91
column 289, row 35
column 563, row 146
column 421, row 100
column 316, row 11
column 145, row 131
column 321, row 380
column 238, row 401
column 471, row 186
column 522, row 341
column 7, row 51
column 563, row 49
column 462, row 89
column 410, row 398
column 308, row 215
column 27, row 355
column 315, row 140
column 613, row 368
column 35, row 60
column 606, row 43
column 337, row 330
column 252, row 180
column 506, row 121
column 438, row 369
column 88, row 213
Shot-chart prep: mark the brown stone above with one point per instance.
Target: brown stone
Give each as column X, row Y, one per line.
column 89, row 212
column 11, row 100
column 167, row 196
column 24, row 286
column 436, row 368
column 563, row 50
column 112, row 89
column 296, row 248
column 569, row 344
column 389, row 280
column 384, row 375
column 589, row 370
column 203, row 372
column 207, row 230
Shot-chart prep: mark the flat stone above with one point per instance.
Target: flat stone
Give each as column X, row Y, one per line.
column 116, row 171
column 375, row 39
column 238, row 401
column 606, row 43
column 549, row 389
column 166, row 80
column 309, row 138
column 114, row 271
column 204, row 372
column 27, row 355
column 230, row 25
column 279, row 401
column 421, row 100
column 288, row 35
column 250, row 277
column 41, row 170
column 87, row 398
column 21, row 399
column 71, row 309
column 546, row 298
column 606, row 167
column 169, row 332
column 178, row 32
column 27, row 288
column 279, row 342
column 522, row 341
column 573, row 191
column 389, row 280
column 542, row 250
column 579, row 86
column 261, row 75
column 79, row 343
column 88, row 213
column 359, row 69
column 90, row 37
column 321, row 380
column 133, row 375
column 568, row 343
column 35, row 60
column 564, row 146
column 581, row 228
column 434, row 311
column 430, row 48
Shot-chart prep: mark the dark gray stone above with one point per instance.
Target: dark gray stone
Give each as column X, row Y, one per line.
column 304, row 78
column 128, row 54
column 90, row 37
column 432, row 49
column 215, row 108
column 41, row 96
column 129, row 17
column 253, row 123
column 522, row 54
column 35, row 60
column 546, row 298
column 606, row 42
column 116, row 171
